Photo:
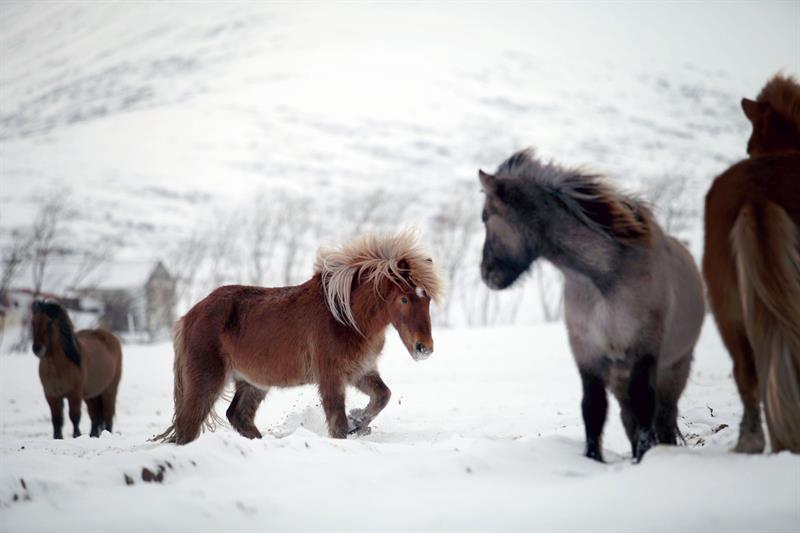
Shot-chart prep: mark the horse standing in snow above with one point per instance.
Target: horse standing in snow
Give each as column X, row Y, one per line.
column 329, row 331
column 633, row 297
column 752, row 267
column 86, row 365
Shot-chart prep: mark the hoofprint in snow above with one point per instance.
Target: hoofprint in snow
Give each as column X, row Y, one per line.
column 486, row 434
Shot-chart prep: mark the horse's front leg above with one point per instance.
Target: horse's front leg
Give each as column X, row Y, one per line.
column 594, row 408
column 642, row 395
column 332, row 394
column 74, row 401
column 57, row 415
column 379, row 394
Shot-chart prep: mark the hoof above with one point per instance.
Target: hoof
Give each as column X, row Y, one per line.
column 644, row 442
column 249, row 431
column 750, row 443
column 358, row 423
column 594, row 452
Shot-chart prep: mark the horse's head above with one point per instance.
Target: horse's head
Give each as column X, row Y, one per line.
column 507, row 250
column 775, row 117
column 772, row 132
column 409, row 313
column 41, row 325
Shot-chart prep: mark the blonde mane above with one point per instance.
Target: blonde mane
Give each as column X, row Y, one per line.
column 374, row 258
column 782, row 94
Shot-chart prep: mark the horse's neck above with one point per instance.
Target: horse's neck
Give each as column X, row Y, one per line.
column 587, row 257
column 60, row 351
column 369, row 310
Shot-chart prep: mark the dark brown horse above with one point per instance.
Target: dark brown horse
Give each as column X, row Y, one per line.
column 86, row 365
column 328, row 331
column 752, row 267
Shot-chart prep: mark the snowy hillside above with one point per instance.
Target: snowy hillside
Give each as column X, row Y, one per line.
column 156, row 115
column 485, row 435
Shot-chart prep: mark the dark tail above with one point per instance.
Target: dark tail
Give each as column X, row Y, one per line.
column 767, row 248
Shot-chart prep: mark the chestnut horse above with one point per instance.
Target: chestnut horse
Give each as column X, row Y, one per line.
column 328, row 331
column 752, row 267
column 86, row 365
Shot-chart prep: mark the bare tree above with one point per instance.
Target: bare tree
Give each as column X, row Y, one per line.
column 453, row 230
column 90, row 262
column 184, row 263
column 262, row 234
column 672, row 206
column 45, row 235
column 15, row 254
column 297, row 225
column 375, row 211
column 223, row 250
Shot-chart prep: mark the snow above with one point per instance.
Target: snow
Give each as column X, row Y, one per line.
column 60, row 276
column 152, row 116
column 485, row 435
column 156, row 119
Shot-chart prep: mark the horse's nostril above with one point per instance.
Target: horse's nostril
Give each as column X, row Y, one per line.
column 420, row 347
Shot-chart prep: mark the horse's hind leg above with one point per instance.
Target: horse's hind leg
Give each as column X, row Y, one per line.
column 203, row 383
column 379, row 394
column 57, row 415
column 671, row 382
column 74, row 401
column 93, row 405
column 242, row 411
column 751, row 434
column 107, row 403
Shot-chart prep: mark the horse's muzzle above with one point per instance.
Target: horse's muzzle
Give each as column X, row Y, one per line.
column 421, row 352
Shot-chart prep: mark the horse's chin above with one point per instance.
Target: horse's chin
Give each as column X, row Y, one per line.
column 419, row 356
column 498, row 280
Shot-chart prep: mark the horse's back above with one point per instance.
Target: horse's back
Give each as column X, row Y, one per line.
column 261, row 333
column 101, row 355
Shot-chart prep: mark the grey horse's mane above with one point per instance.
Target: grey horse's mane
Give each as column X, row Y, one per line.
column 593, row 201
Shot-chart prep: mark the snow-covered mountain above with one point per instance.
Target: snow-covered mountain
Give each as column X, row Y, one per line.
column 160, row 121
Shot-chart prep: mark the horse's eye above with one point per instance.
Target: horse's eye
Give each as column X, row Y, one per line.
column 404, row 300
column 484, row 216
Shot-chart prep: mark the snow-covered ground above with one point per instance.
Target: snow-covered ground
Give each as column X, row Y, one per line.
column 486, row 435
column 160, row 118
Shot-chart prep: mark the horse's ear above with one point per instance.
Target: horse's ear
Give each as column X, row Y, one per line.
column 488, row 182
column 753, row 110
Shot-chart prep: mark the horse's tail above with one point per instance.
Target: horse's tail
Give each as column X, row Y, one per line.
column 179, row 346
column 767, row 249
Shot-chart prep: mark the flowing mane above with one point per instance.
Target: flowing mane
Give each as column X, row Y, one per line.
column 374, row 258
column 591, row 200
column 65, row 328
column 782, row 94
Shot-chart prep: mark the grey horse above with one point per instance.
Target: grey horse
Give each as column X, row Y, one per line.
column 633, row 296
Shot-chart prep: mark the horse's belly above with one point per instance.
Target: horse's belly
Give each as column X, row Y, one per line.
column 264, row 375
